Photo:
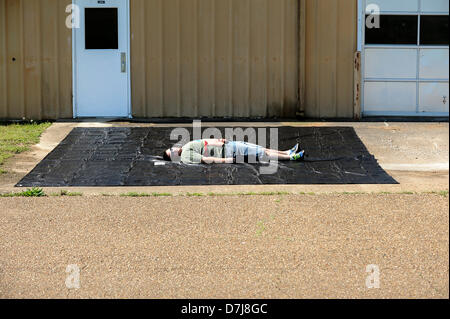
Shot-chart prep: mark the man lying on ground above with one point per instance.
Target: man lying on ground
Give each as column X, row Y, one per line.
column 221, row 151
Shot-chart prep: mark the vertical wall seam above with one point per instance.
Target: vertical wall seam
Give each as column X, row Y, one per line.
column 41, row 52
column 45, row 112
column 58, row 64
column 5, row 58
column 297, row 36
column 317, row 59
column 268, row 58
column 179, row 68
column 316, row 56
column 6, row 62
column 41, row 95
column 283, row 58
column 302, row 56
column 144, row 53
column 335, row 86
column 213, row 58
column 39, row 59
column 354, row 49
column 249, row 60
column 195, row 60
column 22, row 62
column 231, row 46
column 197, row 64
column 162, row 104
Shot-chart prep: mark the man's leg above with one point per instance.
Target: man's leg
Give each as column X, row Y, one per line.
column 277, row 152
column 283, row 156
column 277, row 155
column 253, row 151
column 256, row 151
column 247, row 152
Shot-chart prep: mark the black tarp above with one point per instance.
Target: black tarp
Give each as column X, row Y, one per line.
column 132, row 157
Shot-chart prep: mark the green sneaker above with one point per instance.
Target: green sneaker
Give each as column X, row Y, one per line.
column 298, row 157
column 293, row 150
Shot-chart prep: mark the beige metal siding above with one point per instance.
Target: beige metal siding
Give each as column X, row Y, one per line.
column 214, row 58
column 191, row 58
column 38, row 84
column 331, row 41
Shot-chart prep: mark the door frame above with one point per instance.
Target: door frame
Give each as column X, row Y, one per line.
column 74, row 66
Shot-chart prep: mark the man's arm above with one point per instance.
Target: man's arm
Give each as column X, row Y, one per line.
column 215, row 160
column 218, row 143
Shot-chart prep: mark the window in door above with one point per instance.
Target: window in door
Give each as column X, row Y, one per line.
column 101, row 28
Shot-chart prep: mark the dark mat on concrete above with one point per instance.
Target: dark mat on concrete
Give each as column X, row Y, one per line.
column 131, row 157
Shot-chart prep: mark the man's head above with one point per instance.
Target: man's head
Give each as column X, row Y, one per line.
column 172, row 153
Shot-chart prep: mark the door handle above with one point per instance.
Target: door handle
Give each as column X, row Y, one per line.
column 123, row 62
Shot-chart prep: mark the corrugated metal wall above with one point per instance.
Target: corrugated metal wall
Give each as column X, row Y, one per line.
column 190, row 58
column 35, row 60
column 331, row 41
column 214, row 58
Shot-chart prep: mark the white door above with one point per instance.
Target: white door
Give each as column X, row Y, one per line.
column 406, row 58
column 101, row 59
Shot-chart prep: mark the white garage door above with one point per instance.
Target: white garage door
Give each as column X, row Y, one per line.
column 405, row 58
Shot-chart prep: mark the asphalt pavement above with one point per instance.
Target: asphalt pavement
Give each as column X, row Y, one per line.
column 293, row 246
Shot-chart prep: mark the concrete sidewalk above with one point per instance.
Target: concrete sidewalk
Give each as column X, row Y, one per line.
column 415, row 154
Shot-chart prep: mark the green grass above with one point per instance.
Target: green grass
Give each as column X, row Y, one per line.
column 17, row 138
column 310, row 193
column 267, row 194
column 249, row 194
column 352, row 193
column 31, row 192
column 66, row 193
column 211, row 194
column 441, row 193
column 398, row 193
column 195, row 194
column 39, row 192
column 260, row 228
column 134, row 194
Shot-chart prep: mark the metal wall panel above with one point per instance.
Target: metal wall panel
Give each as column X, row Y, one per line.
column 331, row 41
column 214, row 58
column 390, row 63
column 433, row 97
column 35, row 60
column 217, row 58
column 390, row 97
column 434, row 64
